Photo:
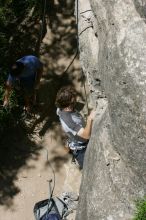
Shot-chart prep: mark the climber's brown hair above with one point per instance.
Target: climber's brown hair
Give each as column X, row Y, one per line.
column 66, row 97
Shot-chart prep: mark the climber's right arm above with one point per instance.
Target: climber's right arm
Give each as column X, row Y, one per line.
column 86, row 132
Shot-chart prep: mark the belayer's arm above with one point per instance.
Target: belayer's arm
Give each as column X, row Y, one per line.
column 7, row 93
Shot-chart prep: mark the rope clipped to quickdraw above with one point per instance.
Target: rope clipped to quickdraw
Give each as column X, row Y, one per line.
column 78, row 34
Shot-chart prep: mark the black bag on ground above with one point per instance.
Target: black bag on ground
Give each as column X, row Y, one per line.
column 50, row 209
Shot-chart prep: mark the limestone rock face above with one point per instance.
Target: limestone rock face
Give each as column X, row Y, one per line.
column 112, row 42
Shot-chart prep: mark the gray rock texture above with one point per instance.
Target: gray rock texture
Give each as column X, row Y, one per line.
column 112, row 42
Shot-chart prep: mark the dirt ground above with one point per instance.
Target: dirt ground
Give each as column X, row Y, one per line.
column 30, row 183
column 24, row 170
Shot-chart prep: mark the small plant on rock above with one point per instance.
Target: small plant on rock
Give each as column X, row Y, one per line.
column 140, row 213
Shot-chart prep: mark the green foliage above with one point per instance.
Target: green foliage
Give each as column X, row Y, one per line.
column 3, row 76
column 12, row 13
column 5, row 114
column 5, row 117
column 140, row 210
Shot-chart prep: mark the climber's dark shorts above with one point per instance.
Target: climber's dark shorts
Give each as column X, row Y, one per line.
column 79, row 156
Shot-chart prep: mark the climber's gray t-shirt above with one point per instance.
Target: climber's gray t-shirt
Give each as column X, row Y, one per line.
column 71, row 123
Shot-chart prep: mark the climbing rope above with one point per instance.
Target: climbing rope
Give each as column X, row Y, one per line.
column 86, row 100
column 77, row 12
column 85, row 11
column 78, row 34
column 85, row 29
column 54, row 182
column 67, row 68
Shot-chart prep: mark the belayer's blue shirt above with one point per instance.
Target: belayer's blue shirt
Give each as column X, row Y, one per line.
column 28, row 75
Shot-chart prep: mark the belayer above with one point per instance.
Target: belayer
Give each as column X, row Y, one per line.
column 73, row 124
column 24, row 76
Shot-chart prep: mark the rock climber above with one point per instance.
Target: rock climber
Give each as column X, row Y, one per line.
column 24, row 76
column 73, row 124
